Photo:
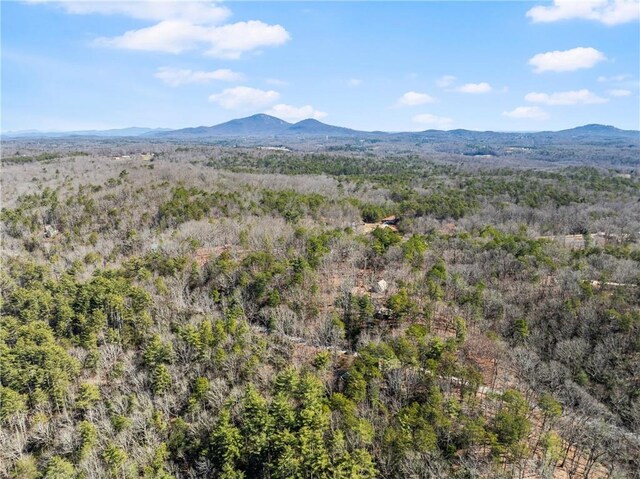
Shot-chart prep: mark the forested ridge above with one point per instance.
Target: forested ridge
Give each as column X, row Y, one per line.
column 187, row 311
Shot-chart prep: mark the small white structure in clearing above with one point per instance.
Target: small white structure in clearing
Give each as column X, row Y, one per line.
column 380, row 286
column 50, row 231
column 274, row 148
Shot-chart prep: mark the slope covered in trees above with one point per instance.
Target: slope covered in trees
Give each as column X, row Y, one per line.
column 229, row 313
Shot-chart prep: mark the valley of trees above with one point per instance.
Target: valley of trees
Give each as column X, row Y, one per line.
column 183, row 310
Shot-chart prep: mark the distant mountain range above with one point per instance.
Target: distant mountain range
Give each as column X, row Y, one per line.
column 115, row 133
column 266, row 126
column 260, row 125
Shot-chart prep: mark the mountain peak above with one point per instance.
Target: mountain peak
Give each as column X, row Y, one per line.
column 311, row 126
column 595, row 127
column 310, row 121
column 262, row 117
column 258, row 119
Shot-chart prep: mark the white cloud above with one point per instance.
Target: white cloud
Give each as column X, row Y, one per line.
column 181, row 26
column 618, row 92
column 413, row 98
column 244, row 97
column 445, row 81
column 175, row 36
column 583, row 96
column 614, row 78
column 527, row 113
column 232, row 40
column 609, row 12
column 198, row 12
column 566, row 60
column 170, row 36
column 483, row 87
column 177, row 77
column 353, row 82
column 288, row 112
column 434, row 121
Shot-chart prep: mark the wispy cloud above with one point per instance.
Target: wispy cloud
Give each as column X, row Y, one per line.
column 608, row 12
column 276, row 82
column 527, row 113
column 566, row 60
column 618, row 92
column 177, row 77
column 196, row 12
column 614, row 78
column 583, row 96
column 482, row 87
column 434, row 121
column 353, row 82
column 289, row 112
column 413, row 98
column 445, row 81
column 244, row 98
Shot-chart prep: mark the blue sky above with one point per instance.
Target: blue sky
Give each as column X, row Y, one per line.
column 369, row 65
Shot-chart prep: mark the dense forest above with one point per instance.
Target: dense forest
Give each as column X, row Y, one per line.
column 182, row 310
